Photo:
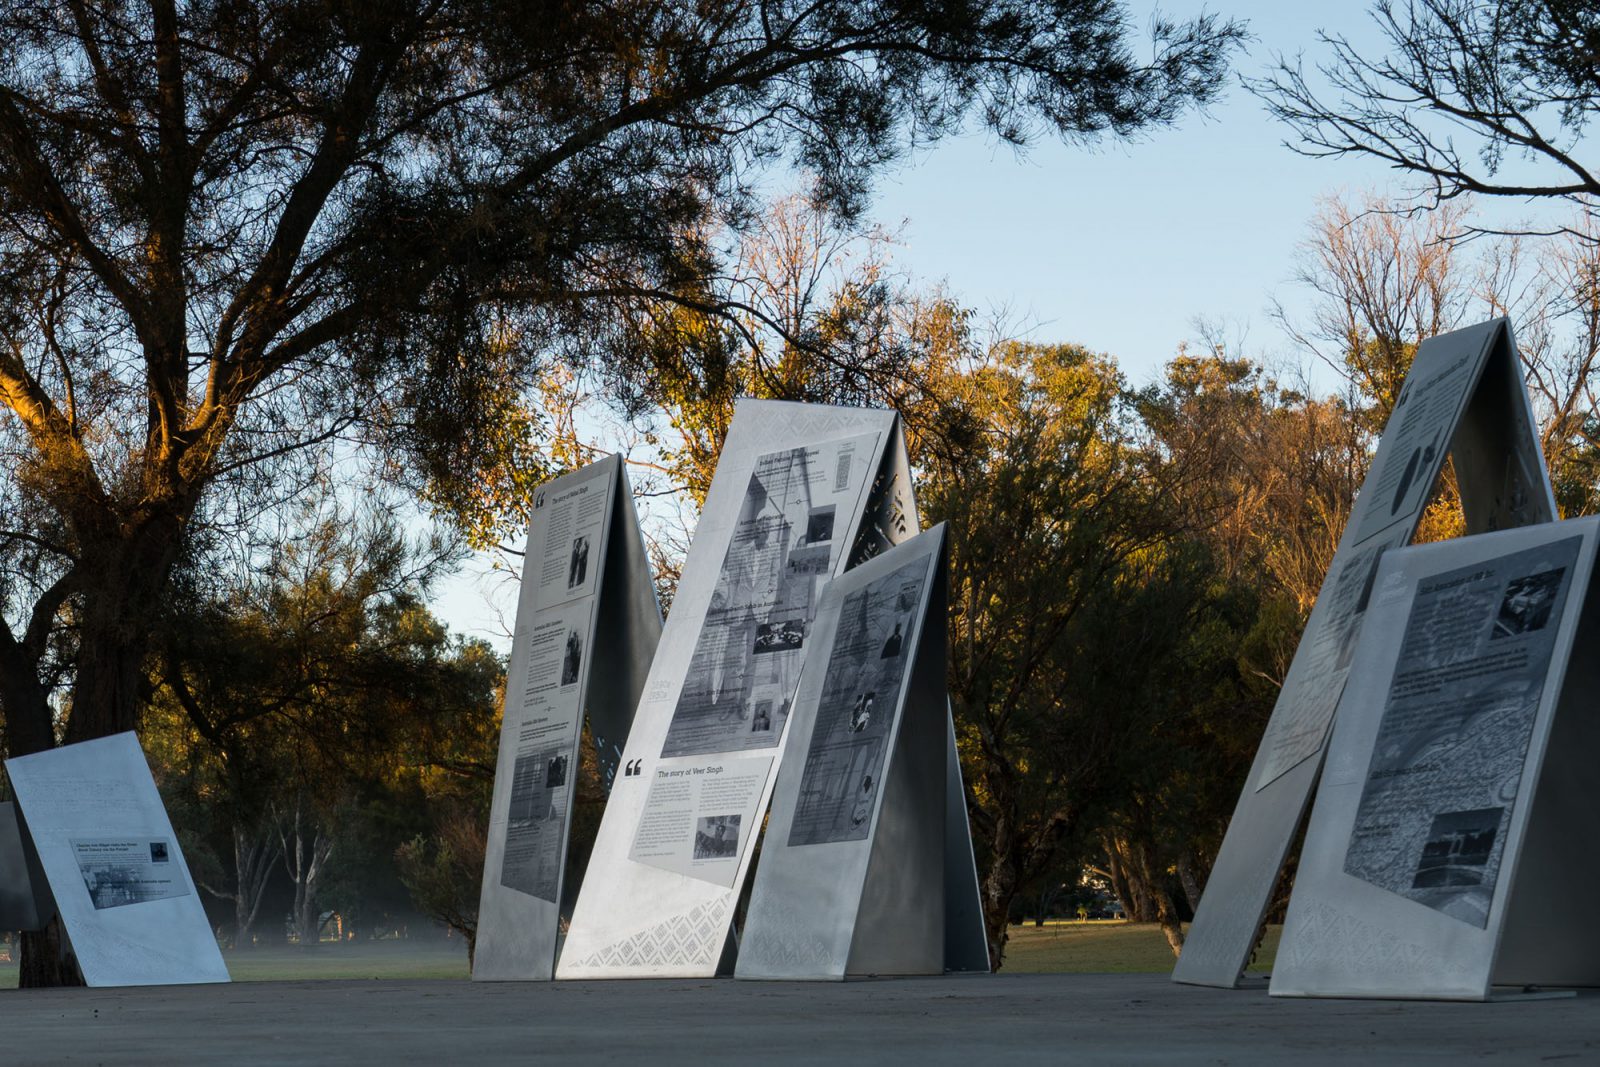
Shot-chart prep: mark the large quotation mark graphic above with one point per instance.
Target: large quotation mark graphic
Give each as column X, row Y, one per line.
column 632, row 769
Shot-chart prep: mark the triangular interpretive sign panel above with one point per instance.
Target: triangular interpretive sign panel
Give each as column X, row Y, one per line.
column 109, row 853
column 792, row 499
column 1464, row 397
column 852, row 868
column 587, row 627
column 1444, row 857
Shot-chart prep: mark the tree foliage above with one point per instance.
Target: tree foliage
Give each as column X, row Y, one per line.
column 1514, row 80
column 234, row 230
column 307, row 714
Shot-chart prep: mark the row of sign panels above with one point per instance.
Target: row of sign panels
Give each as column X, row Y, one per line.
column 1453, row 773
column 809, row 616
column 772, row 642
column 1443, row 792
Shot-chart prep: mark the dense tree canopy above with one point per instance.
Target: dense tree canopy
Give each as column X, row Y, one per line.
column 233, row 230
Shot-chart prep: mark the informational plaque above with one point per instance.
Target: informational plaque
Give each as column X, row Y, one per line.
column 587, row 626
column 1464, row 397
column 1458, row 781
column 801, row 493
column 113, row 864
column 851, row 874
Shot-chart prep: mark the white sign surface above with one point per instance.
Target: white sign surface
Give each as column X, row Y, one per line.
column 114, row 865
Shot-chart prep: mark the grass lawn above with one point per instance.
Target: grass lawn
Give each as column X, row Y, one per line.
column 1057, row 948
column 1098, row 947
column 430, row 958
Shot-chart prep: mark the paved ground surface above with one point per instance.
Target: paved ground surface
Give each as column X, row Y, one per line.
column 1096, row 1019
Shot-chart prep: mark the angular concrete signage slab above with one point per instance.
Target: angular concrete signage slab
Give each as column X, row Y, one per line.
column 1464, row 397
column 801, row 493
column 1448, row 853
column 587, row 627
column 112, row 860
column 851, row 879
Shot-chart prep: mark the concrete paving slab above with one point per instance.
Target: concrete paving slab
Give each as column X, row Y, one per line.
column 1091, row 1019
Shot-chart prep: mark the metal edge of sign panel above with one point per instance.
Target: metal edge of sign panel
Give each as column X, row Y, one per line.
column 1553, row 879
column 519, row 932
column 25, row 901
column 103, row 789
column 1269, row 813
column 965, row 940
column 1348, row 937
column 635, row 920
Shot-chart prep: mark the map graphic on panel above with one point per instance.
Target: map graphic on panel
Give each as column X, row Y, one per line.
column 1448, row 759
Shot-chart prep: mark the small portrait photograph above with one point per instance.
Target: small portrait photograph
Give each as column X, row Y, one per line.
column 891, row 644
column 819, row 525
column 779, row 636
column 761, row 717
column 906, row 599
column 1528, row 603
column 158, row 852
column 572, row 660
column 716, row 837
column 861, row 712
column 861, row 809
column 555, row 772
column 578, row 565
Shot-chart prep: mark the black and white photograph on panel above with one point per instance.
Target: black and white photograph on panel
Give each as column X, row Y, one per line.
column 716, row 837
column 1527, row 604
column 578, row 565
column 1458, row 848
column 866, row 671
column 572, row 658
column 1447, row 763
column 117, row 873
column 532, row 862
column 783, row 547
column 761, row 716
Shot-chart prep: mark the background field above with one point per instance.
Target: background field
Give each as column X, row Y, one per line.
column 1056, row 948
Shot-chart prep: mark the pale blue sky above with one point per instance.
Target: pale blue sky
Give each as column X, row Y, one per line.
column 1117, row 247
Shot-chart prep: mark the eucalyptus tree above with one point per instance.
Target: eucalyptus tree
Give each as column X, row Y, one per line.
column 232, row 230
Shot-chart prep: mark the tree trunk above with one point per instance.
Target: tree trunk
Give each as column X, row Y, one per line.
column 999, row 889
column 305, row 854
column 1166, row 913
column 47, row 958
column 1191, row 884
column 1120, row 887
column 120, row 582
column 253, row 858
column 24, row 705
